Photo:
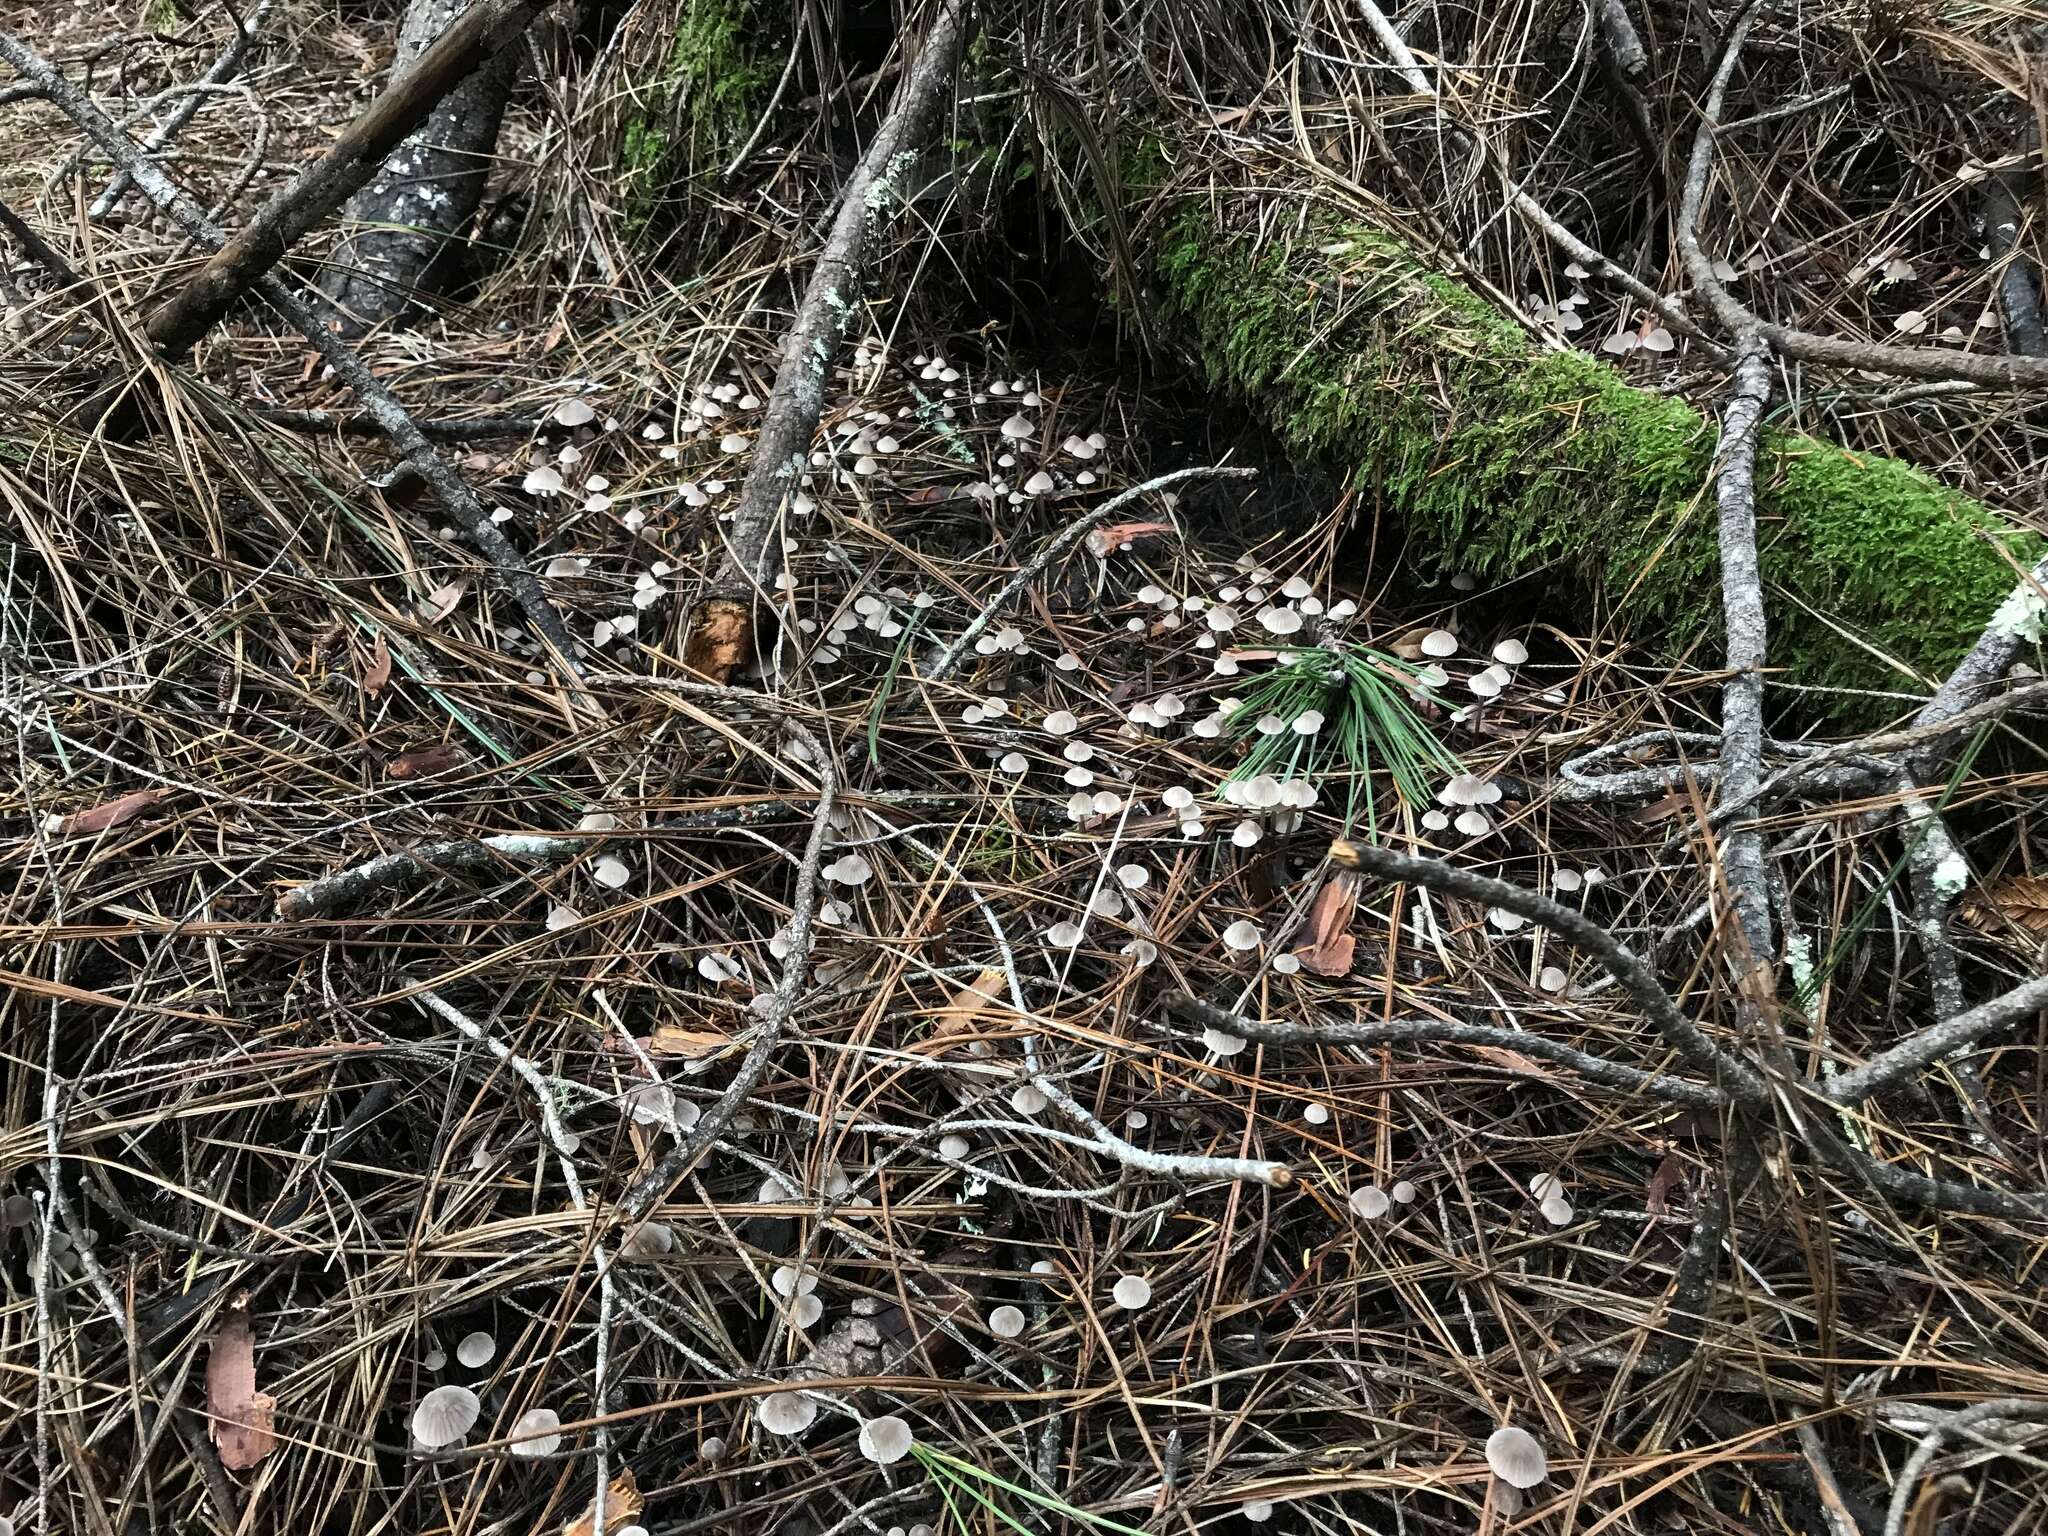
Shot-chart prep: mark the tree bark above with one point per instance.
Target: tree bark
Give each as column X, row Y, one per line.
column 411, row 214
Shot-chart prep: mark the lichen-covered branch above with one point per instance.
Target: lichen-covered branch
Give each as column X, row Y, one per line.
column 721, row 638
column 1742, row 602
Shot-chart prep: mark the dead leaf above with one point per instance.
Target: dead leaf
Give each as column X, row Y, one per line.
column 425, row 762
column 1661, row 810
column 1111, row 537
column 377, row 675
column 622, row 1506
column 721, row 639
column 240, row 1418
column 1408, row 646
column 440, row 602
column 1514, row 1061
column 105, row 816
column 2021, row 900
column 1328, row 944
column 971, row 1001
column 670, row 1039
column 1657, row 1196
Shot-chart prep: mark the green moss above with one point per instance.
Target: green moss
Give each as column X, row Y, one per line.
column 1506, row 459
column 720, row 70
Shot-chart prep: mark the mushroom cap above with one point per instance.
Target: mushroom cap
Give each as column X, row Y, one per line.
column 885, row 1440
column 444, row 1416
column 1369, row 1202
column 537, row 1433
column 476, row 1349
column 1006, row 1322
column 1516, row 1457
column 1439, row 642
column 1511, row 651
column 649, row 1240
column 1242, row 934
column 1131, row 1292
column 574, row 413
column 786, row 1413
column 1018, row 428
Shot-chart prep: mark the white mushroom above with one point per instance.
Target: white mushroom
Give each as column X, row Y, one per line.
column 1516, row 1457
column 1131, row 1292
column 1006, row 1322
column 885, row 1440
column 537, row 1432
column 1369, row 1202
column 574, row 413
column 476, row 1349
column 444, row 1416
column 786, row 1413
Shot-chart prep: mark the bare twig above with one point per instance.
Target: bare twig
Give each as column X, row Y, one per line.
column 1611, row 1074
column 1965, row 1424
column 774, row 1013
column 948, row 661
column 221, row 70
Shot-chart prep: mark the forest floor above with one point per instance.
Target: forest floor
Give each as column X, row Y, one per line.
column 953, row 1075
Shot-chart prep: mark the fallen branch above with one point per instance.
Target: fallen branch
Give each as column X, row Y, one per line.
column 1742, row 603
column 347, row 887
column 1740, row 1081
column 1611, row 1074
column 721, row 630
column 452, row 429
column 476, row 36
column 1745, row 1087
column 456, row 497
column 1938, row 1040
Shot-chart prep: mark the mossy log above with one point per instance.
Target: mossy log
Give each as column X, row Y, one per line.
column 1510, row 460
column 718, row 68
